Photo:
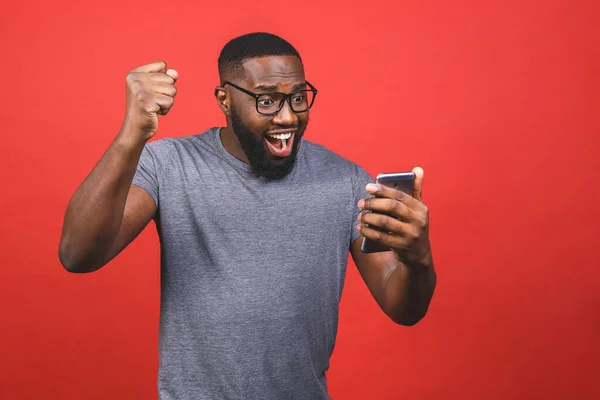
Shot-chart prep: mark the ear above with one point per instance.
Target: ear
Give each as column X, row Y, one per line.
column 223, row 100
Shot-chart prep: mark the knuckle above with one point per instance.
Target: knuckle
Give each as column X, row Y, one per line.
column 141, row 96
column 380, row 221
column 385, row 222
column 424, row 218
column 132, row 77
column 376, row 235
column 413, row 234
column 419, row 220
column 135, row 85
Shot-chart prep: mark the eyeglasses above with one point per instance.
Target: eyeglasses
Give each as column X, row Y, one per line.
column 271, row 103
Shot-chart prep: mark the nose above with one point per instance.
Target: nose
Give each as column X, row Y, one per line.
column 285, row 116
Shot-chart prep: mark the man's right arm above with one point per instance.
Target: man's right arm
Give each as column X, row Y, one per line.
column 107, row 212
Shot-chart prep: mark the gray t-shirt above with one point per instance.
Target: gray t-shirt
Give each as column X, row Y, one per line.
column 252, row 269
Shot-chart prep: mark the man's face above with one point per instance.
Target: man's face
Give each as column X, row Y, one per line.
column 269, row 156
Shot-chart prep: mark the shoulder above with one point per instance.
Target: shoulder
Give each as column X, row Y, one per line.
column 318, row 154
column 174, row 146
column 323, row 158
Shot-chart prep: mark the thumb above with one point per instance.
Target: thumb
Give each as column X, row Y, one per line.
column 418, row 185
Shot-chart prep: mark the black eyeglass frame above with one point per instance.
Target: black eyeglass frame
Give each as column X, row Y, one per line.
column 286, row 96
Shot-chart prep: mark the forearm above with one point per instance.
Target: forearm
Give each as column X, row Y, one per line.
column 95, row 212
column 408, row 291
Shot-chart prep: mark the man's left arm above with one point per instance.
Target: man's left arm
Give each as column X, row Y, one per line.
column 402, row 280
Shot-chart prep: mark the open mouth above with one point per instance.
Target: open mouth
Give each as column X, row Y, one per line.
column 280, row 144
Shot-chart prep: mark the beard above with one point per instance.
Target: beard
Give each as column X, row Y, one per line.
column 257, row 155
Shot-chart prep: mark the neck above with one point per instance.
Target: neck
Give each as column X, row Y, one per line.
column 232, row 144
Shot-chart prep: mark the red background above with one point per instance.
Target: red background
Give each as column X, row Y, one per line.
column 496, row 100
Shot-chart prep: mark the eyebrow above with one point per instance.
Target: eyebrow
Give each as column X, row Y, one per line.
column 273, row 88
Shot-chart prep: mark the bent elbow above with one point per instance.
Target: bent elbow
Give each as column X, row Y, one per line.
column 69, row 262
column 408, row 320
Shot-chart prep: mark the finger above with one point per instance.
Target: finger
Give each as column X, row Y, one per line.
column 386, row 239
column 165, row 102
column 157, row 66
column 385, row 222
column 159, row 104
column 162, row 88
column 151, row 77
column 387, row 206
column 173, row 74
column 418, row 185
column 382, row 191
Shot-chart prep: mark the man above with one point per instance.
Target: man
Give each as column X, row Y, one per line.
column 255, row 225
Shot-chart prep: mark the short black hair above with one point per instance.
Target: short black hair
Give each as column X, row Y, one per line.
column 252, row 45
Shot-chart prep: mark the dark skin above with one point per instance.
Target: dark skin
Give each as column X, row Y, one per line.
column 107, row 212
column 261, row 75
column 402, row 280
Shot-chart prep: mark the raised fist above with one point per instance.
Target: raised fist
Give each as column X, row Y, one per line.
column 150, row 94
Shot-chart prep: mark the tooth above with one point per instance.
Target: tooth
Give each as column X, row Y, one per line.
column 284, row 143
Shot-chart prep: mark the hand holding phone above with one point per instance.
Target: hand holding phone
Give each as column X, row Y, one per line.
column 403, row 181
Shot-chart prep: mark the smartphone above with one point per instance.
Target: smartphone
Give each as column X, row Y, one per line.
column 403, row 181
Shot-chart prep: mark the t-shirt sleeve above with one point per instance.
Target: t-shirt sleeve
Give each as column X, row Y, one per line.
column 153, row 160
column 361, row 179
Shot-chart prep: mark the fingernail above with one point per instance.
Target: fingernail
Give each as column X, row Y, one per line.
column 371, row 188
column 361, row 204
